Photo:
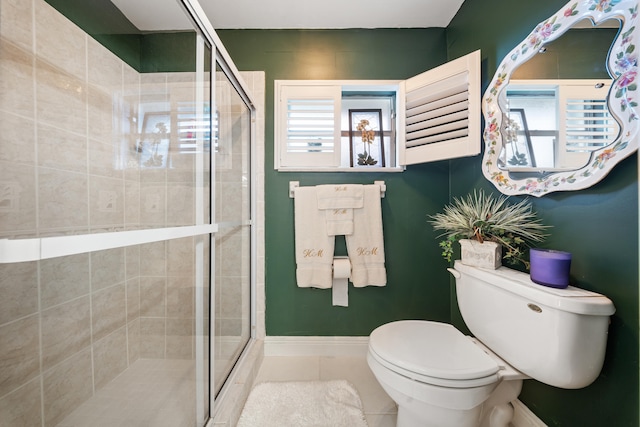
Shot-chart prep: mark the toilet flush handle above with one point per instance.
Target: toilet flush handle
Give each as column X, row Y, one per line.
column 454, row 272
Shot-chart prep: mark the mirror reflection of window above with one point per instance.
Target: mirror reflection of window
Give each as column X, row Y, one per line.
column 554, row 125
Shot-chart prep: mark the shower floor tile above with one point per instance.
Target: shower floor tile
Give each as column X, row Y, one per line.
column 159, row 393
column 379, row 409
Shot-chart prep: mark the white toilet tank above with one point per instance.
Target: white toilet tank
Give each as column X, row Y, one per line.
column 556, row 336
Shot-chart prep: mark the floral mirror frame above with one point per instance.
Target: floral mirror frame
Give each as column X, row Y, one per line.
column 622, row 64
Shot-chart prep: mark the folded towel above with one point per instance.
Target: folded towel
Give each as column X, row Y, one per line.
column 339, row 221
column 366, row 245
column 314, row 246
column 337, row 196
column 338, row 201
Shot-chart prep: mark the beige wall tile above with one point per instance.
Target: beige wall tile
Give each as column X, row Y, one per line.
column 59, row 149
column 105, row 69
column 107, row 268
column 108, row 310
column 109, row 357
column 105, row 158
column 180, row 297
column 152, row 296
column 231, row 201
column 63, row 279
column 16, row 80
column 153, row 199
column 180, row 204
column 106, row 203
column 16, row 22
column 61, row 98
column 182, row 167
column 153, row 259
column 132, row 203
column 179, row 339
column 133, row 340
column 230, row 327
column 62, row 200
column 17, row 139
column 132, row 257
column 66, row 330
column 60, row 42
column 151, row 176
column 101, row 105
column 233, row 248
column 23, row 407
column 19, row 290
column 180, row 257
column 230, row 297
column 133, row 299
column 152, row 338
column 19, row 353
column 66, row 386
column 17, row 199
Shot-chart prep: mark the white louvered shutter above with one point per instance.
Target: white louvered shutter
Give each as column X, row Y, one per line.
column 585, row 120
column 308, row 129
column 442, row 112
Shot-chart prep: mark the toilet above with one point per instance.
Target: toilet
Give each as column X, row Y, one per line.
column 439, row 377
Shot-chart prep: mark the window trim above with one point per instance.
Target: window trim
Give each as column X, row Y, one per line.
column 345, row 86
column 447, row 140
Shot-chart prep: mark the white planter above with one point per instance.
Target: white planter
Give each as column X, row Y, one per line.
column 484, row 255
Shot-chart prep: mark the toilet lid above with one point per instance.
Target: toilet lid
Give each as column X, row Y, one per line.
column 432, row 349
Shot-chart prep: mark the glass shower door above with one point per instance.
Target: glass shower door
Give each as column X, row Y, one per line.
column 105, row 224
column 232, row 281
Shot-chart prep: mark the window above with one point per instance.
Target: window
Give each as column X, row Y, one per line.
column 383, row 125
column 557, row 123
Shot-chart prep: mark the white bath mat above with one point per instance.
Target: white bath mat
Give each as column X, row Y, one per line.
column 303, row 404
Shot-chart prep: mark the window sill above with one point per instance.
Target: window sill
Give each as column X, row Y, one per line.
column 358, row 170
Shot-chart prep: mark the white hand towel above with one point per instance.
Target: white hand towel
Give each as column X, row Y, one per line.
column 335, row 196
column 339, row 221
column 338, row 202
column 366, row 245
column 314, row 247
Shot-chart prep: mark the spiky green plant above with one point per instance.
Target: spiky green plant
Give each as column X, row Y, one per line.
column 483, row 217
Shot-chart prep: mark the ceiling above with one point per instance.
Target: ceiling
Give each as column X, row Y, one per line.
column 154, row 15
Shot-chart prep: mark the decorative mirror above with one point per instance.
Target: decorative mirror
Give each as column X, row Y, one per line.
column 596, row 125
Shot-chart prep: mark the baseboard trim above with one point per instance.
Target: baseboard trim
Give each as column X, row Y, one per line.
column 316, row 346
column 523, row 417
column 357, row 347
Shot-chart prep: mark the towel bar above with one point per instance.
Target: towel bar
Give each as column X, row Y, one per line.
column 294, row 184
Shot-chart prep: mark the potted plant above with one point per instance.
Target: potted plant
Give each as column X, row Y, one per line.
column 489, row 224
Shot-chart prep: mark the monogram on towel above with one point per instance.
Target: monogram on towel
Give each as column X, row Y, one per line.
column 355, row 213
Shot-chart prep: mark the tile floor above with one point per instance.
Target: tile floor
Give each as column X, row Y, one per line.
column 379, row 409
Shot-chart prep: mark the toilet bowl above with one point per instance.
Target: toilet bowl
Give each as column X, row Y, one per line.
column 436, row 375
column 441, row 378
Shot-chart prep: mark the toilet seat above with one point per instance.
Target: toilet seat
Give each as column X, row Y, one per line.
column 433, row 353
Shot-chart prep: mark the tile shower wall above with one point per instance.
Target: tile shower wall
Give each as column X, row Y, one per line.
column 70, row 150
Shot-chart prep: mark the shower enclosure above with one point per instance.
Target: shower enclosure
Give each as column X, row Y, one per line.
column 126, row 233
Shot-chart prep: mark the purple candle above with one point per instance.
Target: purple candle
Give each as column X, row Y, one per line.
column 550, row 268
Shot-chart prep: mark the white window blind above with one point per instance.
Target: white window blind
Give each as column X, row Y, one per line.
column 585, row 120
column 442, row 112
column 307, row 121
column 438, row 112
column 438, row 118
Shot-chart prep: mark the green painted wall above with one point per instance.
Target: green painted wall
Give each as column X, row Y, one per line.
column 418, row 286
column 146, row 52
column 598, row 225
